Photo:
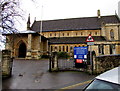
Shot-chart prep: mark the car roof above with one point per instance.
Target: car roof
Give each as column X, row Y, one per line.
column 112, row 75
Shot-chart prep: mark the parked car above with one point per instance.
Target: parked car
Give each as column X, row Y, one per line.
column 109, row 80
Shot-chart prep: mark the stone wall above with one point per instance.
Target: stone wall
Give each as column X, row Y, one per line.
column 106, row 62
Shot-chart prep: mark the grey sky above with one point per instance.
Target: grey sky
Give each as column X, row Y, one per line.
column 60, row 9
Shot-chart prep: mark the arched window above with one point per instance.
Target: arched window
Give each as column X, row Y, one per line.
column 101, row 49
column 90, row 33
column 76, row 34
column 71, row 48
column 67, row 34
column 96, row 33
column 59, row 48
column 63, row 34
column 112, row 49
column 50, row 34
column 55, row 34
column 67, row 48
column 81, row 33
column 112, row 34
column 55, row 48
column 63, row 48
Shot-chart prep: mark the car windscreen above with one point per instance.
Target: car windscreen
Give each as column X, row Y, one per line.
column 102, row 85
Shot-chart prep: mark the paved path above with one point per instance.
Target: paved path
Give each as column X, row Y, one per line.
column 34, row 74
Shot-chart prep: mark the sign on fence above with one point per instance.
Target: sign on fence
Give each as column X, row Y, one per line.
column 80, row 52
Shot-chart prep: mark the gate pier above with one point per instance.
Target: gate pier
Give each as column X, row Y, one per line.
column 53, row 63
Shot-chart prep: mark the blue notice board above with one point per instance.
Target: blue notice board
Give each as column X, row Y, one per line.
column 80, row 52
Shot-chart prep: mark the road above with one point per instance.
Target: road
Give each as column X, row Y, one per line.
column 34, row 74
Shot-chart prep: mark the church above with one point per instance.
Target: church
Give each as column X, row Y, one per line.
column 65, row 34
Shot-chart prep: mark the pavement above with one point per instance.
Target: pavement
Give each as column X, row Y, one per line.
column 34, row 74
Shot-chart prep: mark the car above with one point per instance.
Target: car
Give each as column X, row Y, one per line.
column 109, row 80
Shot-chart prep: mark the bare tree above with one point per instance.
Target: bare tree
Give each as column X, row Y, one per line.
column 9, row 11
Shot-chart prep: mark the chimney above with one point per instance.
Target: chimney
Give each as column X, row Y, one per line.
column 98, row 13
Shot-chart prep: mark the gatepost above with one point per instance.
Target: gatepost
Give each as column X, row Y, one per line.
column 90, row 42
column 53, row 63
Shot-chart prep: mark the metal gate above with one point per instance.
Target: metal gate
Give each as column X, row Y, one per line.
column 71, row 65
column 66, row 64
column 62, row 64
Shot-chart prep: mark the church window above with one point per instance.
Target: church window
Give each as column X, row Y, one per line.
column 112, row 34
column 55, row 34
column 55, row 48
column 63, row 48
column 112, row 49
column 63, row 34
column 67, row 48
column 59, row 48
column 67, row 34
column 81, row 33
column 76, row 34
column 101, row 49
column 71, row 48
column 90, row 33
column 50, row 34
column 95, row 33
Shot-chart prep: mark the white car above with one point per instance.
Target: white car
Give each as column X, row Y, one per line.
column 109, row 80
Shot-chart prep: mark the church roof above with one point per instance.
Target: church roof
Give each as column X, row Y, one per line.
column 73, row 40
column 85, row 23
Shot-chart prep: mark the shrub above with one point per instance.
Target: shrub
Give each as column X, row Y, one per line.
column 44, row 56
column 63, row 55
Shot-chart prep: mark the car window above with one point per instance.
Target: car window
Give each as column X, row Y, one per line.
column 102, row 85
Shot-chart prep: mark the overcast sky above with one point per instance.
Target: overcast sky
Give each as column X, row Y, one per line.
column 60, row 9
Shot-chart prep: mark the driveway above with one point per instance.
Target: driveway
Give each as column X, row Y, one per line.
column 34, row 74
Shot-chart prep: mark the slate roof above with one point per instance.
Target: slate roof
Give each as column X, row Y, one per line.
column 73, row 40
column 85, row 23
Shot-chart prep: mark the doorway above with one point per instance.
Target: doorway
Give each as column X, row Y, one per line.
column 22, row 50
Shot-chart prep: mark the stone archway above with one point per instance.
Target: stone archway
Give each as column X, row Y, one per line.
column 22, row 50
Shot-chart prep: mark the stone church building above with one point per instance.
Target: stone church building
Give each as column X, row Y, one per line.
column 65, row 34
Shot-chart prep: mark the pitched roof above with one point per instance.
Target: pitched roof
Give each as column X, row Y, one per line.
column 73, row 40
column 86, row 23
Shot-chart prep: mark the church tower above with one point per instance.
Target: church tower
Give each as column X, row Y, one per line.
column 28, row 23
